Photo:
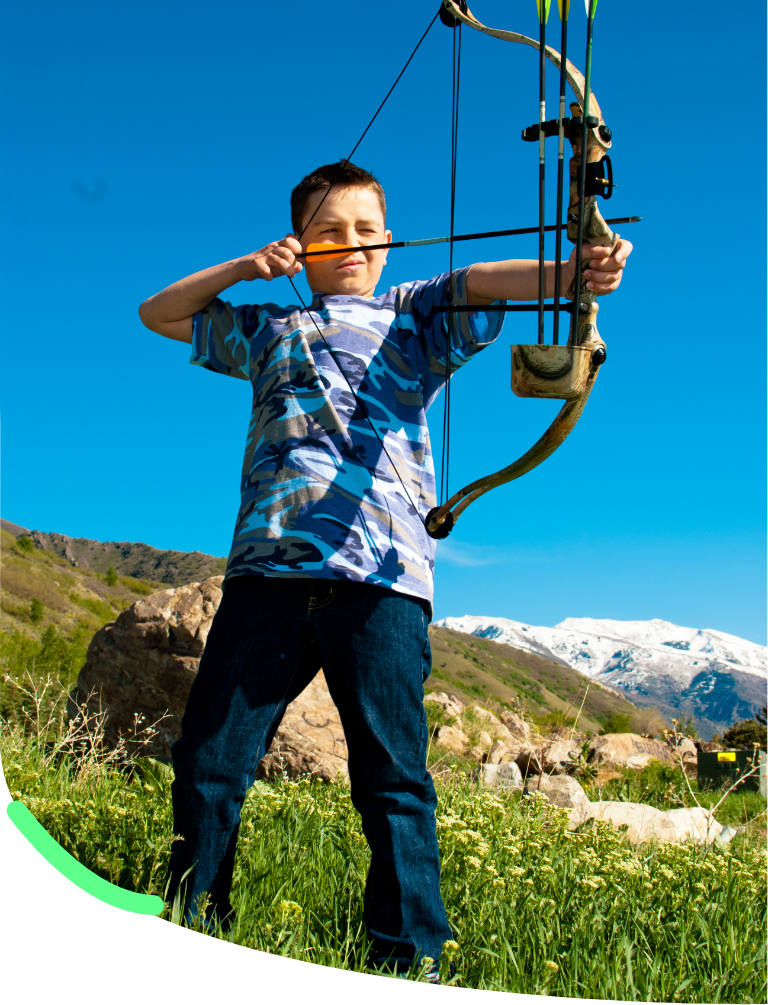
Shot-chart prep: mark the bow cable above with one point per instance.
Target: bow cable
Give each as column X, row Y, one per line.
column 452, row 320
column 563, row 7
column 543, row 10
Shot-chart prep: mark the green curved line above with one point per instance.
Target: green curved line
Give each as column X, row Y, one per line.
column 76, row 872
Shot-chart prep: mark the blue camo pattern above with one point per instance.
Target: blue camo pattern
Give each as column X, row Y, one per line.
column 319, row 497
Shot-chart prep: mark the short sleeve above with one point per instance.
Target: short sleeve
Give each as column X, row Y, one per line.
column 469, row 332
column 221, row 338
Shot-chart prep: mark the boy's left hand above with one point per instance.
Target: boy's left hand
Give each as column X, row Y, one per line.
column 601, row 269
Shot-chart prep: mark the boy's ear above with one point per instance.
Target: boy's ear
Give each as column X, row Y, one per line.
column 388, row 239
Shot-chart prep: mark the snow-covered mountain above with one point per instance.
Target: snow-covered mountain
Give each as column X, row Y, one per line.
column 716, row 677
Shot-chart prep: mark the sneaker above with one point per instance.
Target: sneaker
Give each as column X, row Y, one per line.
column 433, row 977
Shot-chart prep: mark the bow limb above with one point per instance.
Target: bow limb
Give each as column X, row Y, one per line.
column 564, row 422
column 574, row 76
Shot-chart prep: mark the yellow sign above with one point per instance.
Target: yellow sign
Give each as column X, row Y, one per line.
column 729, row 755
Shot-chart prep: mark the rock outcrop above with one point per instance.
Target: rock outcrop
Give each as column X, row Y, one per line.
column 646, row 823
column 640, row 822
column 310, row 739
column 627, row 750
column 560, row 756
column 140, row 668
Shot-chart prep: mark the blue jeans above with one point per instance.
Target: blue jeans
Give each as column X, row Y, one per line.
column 268, row 640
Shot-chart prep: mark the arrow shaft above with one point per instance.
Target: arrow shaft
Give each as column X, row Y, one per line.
column 456, row 237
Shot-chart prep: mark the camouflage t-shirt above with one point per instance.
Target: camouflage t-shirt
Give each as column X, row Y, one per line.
column 319, row 496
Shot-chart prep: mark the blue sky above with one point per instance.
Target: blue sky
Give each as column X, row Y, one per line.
column 145, row 142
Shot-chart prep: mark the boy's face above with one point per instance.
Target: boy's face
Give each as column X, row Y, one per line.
column 347, row 216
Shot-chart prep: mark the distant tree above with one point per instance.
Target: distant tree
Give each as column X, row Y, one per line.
column 687, row 728
column 26, row 544
column 111, row 576
column 648, row 721
column 744, row 734
column 762, row 715
column 36, row 611
column 617, row 723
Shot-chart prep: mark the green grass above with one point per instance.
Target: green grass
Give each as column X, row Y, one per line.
column 536, row 909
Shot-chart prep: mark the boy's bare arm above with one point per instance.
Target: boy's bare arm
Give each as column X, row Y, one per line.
column 518, row 279
column 170, row 311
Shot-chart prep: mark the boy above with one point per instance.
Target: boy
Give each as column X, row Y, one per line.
column 331, row 565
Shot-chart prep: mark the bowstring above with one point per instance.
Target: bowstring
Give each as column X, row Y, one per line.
column 360, row 404
column 452, row 317
column 375, row 115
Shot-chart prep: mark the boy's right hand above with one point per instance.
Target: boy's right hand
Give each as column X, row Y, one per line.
column 273, row 260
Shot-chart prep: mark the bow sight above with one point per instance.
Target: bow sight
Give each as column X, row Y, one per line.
column 599, row 174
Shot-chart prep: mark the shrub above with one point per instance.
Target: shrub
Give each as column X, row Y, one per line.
column 617, row 723
column 36, row 611
column 26, row 544
column 111, row 576
column 745, row 733
column 101, row 608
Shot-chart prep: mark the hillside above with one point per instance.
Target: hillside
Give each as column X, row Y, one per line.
column 66, row 578
column 478, row 670
column 72, row 598
column 136, row 560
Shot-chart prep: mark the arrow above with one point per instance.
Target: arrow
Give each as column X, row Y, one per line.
column 325, row 252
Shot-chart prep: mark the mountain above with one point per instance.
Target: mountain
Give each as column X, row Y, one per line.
column 715, row 677
column 481, row 672
column 139, row 561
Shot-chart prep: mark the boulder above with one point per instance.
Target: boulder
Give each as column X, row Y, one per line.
column 449, row 703
column 143, row 665
column 518, row 728
column 453, row 738
column 627, row 750
column 501, row 776
column 484, row 739
column 560, row 756
column 646, row 823
column 497, row 752
column 310, row 739
column 560, row 790
column 684, row 749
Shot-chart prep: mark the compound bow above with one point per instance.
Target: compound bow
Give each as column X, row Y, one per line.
column 552, row 371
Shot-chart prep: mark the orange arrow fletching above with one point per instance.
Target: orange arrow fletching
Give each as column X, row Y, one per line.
column 333, row 251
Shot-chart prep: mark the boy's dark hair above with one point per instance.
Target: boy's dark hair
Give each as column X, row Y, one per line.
column 341, row 175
